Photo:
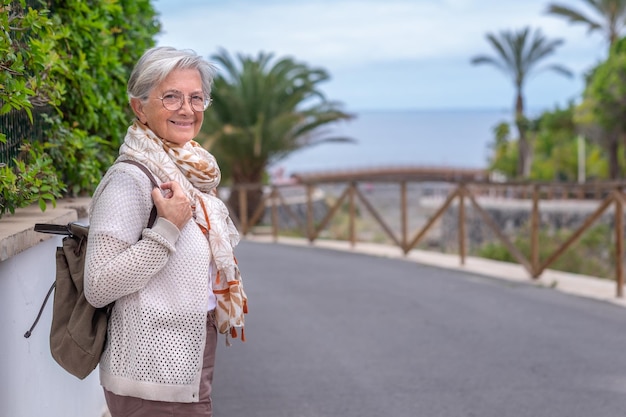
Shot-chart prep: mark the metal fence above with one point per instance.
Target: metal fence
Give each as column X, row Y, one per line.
column 17, row 127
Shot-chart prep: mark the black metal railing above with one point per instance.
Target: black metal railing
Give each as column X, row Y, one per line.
column 16, row 125
column 17, row 128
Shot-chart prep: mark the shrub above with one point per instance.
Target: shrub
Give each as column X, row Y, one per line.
column 74, row 57
column 33, row 179
column 588, row 256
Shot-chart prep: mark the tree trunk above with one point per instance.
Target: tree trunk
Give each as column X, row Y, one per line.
column 252, row 184
column 523, row 166
column 614, row 169
column 253, row 198
column 524, row 157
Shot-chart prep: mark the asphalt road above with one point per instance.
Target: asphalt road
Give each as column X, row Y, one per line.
column 342, row 334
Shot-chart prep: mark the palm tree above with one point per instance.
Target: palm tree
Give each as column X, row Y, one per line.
column 517, row 55
column 262, row 111
column 610, row 19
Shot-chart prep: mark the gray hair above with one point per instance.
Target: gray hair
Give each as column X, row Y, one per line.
column 156, row 64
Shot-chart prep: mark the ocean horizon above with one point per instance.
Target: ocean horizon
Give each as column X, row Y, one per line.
column 403, row 138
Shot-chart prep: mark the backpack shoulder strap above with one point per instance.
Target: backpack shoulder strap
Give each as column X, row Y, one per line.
column 29, row 332
column 153, row 213
column 144, row 169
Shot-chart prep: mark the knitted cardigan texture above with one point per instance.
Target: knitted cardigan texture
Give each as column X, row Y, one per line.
column 159, row 280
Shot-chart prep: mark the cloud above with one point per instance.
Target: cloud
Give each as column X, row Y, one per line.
column 365, row 39
column 349, row 32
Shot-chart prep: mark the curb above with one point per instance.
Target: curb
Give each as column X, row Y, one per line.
column 574, row 284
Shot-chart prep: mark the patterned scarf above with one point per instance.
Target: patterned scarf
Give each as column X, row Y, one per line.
column 197, row 172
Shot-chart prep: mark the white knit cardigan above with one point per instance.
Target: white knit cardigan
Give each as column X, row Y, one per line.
column 159, row 281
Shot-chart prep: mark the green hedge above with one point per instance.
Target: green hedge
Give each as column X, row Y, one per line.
column 73, row 57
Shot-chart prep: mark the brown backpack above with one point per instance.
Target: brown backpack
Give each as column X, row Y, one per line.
column 78, row 331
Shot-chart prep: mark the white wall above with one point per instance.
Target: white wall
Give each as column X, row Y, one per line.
column 32, row 384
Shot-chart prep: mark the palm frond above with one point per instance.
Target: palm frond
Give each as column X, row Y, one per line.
column 574, row 16
column 610, row 16
column 519, row 52
column 566, row 72
column 264, row 108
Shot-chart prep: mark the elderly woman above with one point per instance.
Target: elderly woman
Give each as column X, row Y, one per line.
column 164, row 279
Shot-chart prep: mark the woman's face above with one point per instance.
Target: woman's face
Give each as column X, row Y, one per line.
column 177, row 126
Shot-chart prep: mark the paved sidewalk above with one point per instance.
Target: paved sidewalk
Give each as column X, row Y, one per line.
column 575, row 284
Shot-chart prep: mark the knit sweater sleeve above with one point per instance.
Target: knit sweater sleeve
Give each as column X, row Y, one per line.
column 122, row 253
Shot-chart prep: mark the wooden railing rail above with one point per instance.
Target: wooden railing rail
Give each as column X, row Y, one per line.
column 608, row 195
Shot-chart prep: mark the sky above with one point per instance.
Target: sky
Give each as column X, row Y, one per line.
column 392, row 54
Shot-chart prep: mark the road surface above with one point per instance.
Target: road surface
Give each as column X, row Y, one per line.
column 332, row 333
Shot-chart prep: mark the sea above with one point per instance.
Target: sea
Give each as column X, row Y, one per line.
column 402, row 138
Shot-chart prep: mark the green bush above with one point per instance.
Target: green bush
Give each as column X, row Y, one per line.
column 588, row 256
column 74, row 57
column 32, row 180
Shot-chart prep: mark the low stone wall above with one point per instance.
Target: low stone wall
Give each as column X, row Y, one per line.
column 295, row 217
column 513, row 217
column 32, row 383
column 293, row 213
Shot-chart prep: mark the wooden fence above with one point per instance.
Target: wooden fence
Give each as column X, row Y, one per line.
column 603, row 196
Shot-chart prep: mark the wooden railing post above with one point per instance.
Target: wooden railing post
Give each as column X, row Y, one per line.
column 243, row 210
column 534, row 234
column 403, row 214
column 275, row 224
column 310, row 227
column 462, row 250
column 619, row 243
column 352, row 214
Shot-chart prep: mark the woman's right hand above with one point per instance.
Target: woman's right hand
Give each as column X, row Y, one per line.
column 173, row 205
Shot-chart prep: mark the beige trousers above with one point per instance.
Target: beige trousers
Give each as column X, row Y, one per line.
column 122, row 406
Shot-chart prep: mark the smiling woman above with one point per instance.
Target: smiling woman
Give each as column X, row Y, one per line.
column 167, row 113
column 162, row 332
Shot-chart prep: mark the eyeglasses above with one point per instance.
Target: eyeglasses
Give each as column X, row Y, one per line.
column 175, row 101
